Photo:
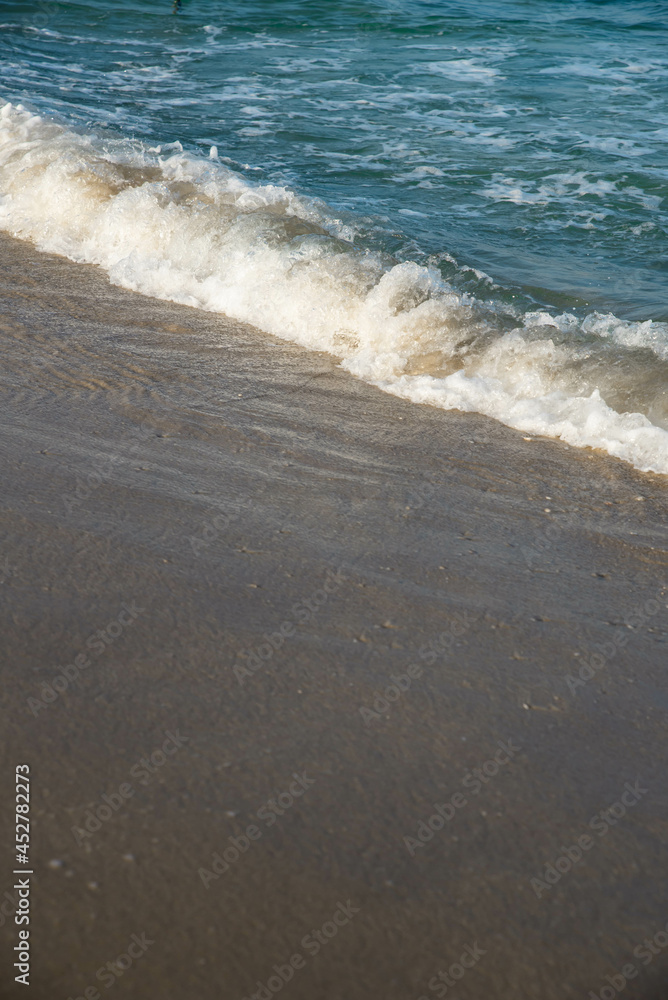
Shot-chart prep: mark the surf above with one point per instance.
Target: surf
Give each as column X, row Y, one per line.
column 176, row 225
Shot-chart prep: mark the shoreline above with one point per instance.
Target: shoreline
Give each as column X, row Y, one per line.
column 215, row 475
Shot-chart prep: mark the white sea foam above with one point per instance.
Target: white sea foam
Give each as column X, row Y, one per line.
column 187, row 228
column 464, row 70
column 643, row 335
column 563, row 187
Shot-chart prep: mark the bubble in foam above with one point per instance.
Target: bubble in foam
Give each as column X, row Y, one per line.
column 189, row 229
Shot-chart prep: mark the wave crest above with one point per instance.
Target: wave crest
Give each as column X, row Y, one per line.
column 177, row 226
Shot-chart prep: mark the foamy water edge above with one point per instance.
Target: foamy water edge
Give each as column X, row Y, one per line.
column 183, row 228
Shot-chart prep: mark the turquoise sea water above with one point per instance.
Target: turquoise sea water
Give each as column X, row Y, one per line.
column 529, row 139
column 516, row 148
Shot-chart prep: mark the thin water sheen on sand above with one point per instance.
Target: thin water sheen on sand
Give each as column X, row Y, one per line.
column 161, row 455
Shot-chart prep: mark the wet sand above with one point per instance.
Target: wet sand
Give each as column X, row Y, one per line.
column 187, row 485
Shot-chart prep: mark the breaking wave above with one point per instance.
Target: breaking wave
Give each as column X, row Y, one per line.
column 182, row 227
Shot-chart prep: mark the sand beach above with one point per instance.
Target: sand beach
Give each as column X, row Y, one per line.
column 314, row 682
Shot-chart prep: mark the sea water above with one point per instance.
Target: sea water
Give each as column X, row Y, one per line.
column 466, row 202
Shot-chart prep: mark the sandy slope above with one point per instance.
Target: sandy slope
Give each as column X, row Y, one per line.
column 210, row 478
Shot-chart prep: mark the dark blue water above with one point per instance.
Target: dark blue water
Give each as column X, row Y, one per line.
column 526, row 138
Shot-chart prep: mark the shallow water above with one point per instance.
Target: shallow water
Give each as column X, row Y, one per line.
column 465, row 203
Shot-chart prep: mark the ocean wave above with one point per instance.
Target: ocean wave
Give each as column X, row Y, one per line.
column 183, row 227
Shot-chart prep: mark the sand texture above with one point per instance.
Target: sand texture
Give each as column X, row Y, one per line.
column 187, row 485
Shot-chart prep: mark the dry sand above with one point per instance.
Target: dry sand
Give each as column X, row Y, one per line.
column 214, row 476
